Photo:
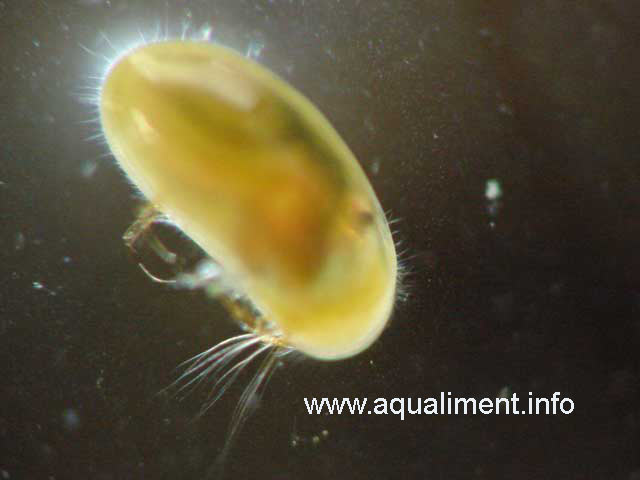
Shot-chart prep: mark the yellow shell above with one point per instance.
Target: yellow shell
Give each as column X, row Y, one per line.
column 253, row 173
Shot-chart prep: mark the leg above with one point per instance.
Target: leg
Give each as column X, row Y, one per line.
column 148, row 216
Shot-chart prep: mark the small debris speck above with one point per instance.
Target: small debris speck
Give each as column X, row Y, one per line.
column 206, row 31
column 505, row 109
column 254, row 49
column 505, row 392
column 88, row 169
column 40, row 286
column 19, row 241
column 492, row 190
column 70, row 419
column 375, row 167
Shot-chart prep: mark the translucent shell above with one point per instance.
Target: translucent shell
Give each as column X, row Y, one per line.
column 253, row 173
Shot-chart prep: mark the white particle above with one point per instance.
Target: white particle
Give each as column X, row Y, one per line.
column 492, row 190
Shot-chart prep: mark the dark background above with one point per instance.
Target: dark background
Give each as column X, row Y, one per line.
column 538, row 291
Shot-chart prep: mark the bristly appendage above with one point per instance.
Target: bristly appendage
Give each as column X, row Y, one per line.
column 219, row 367
column 248, row 400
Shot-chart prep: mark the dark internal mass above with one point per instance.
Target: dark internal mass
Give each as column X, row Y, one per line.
column 272, row 122
column 297, row 199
